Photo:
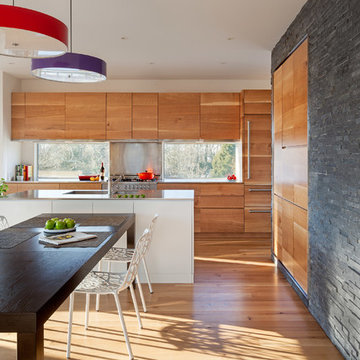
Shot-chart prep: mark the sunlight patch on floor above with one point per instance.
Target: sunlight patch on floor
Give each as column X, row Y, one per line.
column 240, row 262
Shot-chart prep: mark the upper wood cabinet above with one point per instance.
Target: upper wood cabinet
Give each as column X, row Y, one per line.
column 85, row 115
column 220, row 116
column 17, row 116
column 118, row 116
column 294, row 97
column 45, row 115
column 145, row 116
column 179, row 116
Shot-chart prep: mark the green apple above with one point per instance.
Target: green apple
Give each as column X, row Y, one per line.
column 50, row 224
column 143, row 195
column 55, row 219
column 70, row 223
column 60, row 225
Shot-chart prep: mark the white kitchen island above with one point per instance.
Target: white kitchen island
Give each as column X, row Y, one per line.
column 171, row 255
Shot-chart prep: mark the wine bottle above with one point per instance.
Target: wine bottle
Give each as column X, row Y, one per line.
column 102, row 172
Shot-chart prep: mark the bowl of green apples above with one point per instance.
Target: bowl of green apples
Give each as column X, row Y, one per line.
column 58, row 226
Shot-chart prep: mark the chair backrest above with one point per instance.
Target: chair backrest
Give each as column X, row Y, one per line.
column 3, row 222
column 151, row 231
column 139, row 253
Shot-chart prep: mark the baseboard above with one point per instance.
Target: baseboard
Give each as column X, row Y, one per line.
column 294, row 284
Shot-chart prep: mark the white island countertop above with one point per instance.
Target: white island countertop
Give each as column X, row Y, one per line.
column 100, row 195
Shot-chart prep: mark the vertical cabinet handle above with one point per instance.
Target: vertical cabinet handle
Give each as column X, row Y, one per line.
column 248, row 151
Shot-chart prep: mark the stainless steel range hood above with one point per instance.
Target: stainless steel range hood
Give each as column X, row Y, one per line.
column 134, row 157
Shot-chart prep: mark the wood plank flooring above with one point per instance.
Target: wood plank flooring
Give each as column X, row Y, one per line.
column 240, row 307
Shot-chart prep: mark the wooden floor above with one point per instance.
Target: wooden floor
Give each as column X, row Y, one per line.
column 240, row 307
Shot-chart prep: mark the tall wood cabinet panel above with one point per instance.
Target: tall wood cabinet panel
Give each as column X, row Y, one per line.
column 294, row 73
column 179, row 116
column 220, row 116
column 45, row 115
column 85, row 115
column 290, row 223
column 145, row 116
column 118, row 116
column 17, row 116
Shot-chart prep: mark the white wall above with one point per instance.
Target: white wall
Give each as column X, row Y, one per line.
column 148, row 85
column 10, row 151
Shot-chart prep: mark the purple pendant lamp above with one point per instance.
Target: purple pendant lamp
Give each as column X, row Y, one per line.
column 70, row 67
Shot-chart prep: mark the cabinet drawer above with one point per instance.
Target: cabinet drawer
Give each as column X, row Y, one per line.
column 258, row 195
column 40, row 186
column 206, row 201
column 258, row 220
column 222, row 189
column 222, row 220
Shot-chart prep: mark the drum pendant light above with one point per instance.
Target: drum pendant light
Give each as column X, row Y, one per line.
column 70, row 67
column 28, row 33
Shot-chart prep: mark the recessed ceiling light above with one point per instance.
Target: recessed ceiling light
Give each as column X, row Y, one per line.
column 151, row 63
column 231, row 38
column 223, row 62
column 123, row 38
column 11, row 63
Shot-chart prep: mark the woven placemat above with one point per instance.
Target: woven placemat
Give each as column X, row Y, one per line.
column 105, row 220
column 95, row 242
column 12, row 237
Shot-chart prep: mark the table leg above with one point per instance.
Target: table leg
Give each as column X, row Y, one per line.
column 131, row 237
column 30, row 346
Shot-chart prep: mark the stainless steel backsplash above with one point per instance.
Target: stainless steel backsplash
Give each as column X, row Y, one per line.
column 134, row 157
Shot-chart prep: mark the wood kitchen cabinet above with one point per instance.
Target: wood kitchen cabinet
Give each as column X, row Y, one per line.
column 85, row 116
column 294, row 97
column 118, row 116
column 179, row 116
column 220, row 116
column 290, row 232
column 145, row 115
column 45, row 116
column 258, row 208
column 290, row 224
column 18, row 116
column 256, row 119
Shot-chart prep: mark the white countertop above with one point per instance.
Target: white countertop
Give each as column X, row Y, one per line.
column 99, row 195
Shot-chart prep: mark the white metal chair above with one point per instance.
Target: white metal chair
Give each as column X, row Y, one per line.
column 124, row 255
column 103, row 282
column 3, row 222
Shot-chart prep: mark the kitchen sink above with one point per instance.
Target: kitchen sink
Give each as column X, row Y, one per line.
column 87, row 192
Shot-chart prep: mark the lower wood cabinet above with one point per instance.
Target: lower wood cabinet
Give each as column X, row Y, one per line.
column 258, row 220
column 221, row 220
column 290, row 238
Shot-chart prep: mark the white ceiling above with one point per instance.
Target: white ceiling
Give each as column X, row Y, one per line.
column 171, row 39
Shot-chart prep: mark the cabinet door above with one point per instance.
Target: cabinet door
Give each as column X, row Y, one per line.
column 222, row 220
column 145, row 116
column 277, row 227
column 287, row 223
column 179, row 116
column 17, row 116
column 300, row 230
column 258, row 196
column 258, row 220
column 85, row 115
column 277, row 117
column 295, row 77
column 220, row 116
column 257, row 149
column 118, row 116
column 45, row 115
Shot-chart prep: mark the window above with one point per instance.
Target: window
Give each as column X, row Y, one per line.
column 68, row 160
column 196, row 161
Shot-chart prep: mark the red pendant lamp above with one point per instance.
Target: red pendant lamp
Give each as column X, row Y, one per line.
column 31, row 34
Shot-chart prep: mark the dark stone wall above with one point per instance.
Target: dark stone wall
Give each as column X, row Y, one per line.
column 333, row 29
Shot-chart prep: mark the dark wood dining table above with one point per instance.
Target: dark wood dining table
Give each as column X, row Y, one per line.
column 35, row 279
